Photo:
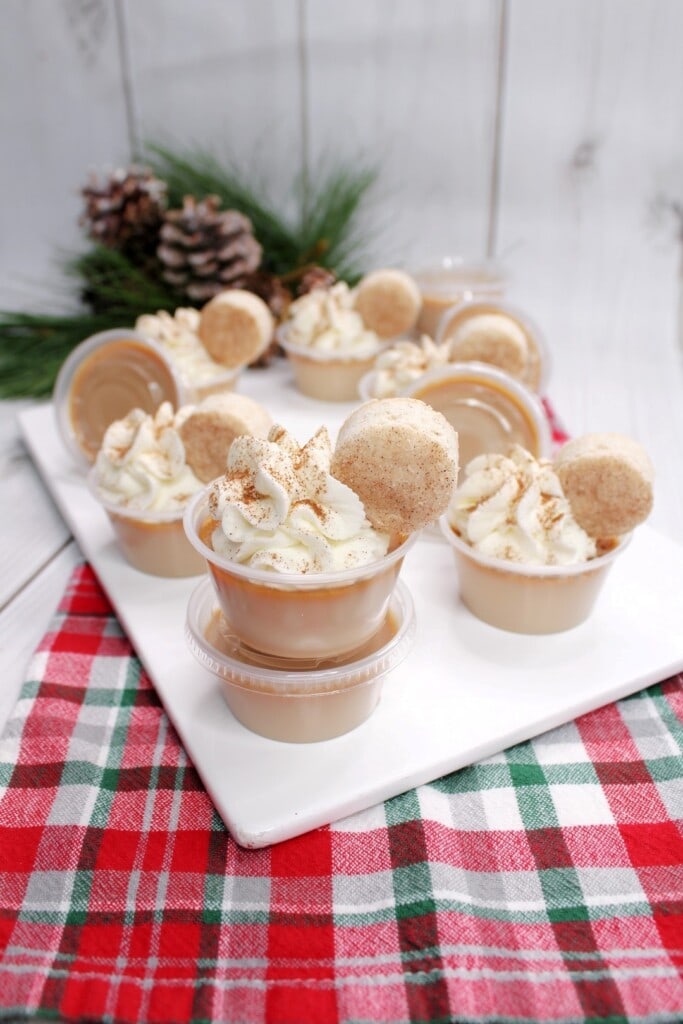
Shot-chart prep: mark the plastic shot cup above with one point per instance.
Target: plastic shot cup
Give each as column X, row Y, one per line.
column 154, row 542
column 300, row 701
column 489, row 409
column 327, row 376
column 297, row 615
column 528, row 598
column 452, row 281
column 536, row 371
column 102, row 379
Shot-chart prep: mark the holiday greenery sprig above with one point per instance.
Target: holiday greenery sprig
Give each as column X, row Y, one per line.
column 174, row 233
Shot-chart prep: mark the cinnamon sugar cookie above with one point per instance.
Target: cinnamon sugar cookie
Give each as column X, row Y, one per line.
column 608, row 480
column 400, row 456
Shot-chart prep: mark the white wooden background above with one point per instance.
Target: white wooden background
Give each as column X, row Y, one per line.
column 547, row 132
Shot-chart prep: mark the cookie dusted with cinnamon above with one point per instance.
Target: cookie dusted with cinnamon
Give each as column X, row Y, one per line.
column 389, row 301
column 209, row 430
column 608, row 479
column 400, row 456
column 235, row 327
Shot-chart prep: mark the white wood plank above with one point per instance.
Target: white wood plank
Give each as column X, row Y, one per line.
column 24, row 622
column 414, row 85
column 31, row 528
column 223, row 75
column 592, row 164
column 62, row 113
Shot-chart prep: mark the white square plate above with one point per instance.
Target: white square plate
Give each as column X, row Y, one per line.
column 466, row 690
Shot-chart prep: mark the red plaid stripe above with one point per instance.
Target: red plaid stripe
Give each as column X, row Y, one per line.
column 544, row 884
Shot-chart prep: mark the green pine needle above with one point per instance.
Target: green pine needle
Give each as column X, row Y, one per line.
column 327, row 232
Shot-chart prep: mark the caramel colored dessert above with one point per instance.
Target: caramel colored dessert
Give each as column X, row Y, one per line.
column 159, row 548
column 300, row 715
column 290, row 620
column 487, row 416
column 110, row 382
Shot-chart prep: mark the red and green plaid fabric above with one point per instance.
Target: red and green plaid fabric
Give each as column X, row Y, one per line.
column 543, row 884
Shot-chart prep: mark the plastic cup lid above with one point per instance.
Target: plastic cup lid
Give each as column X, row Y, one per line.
column 489, row 409
column 105, row 377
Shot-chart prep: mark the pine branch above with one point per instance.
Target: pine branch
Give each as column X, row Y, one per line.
column 200, row 174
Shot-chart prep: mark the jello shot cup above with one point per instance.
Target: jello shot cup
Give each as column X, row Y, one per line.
column 534, row 371
column 490, row 409
column 105, row 377
column 328, row 376
column 451, row 281
column 154, row 542
column 528, row 598
column 297, row 615
column 304, row 700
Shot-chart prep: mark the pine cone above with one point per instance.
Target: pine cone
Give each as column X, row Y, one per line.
column 126, row 208
column 203, row 250
column 315, row 277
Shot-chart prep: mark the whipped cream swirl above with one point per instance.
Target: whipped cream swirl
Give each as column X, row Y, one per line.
column 325, row 321
column 512, row 507
column 177, row 335
column 405, row 362
column 278, row 508
column 141, row 462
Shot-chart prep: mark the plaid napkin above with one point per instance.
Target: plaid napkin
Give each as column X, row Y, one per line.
column 543, row 884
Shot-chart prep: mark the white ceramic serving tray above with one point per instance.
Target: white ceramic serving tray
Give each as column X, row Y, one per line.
column 466, row 690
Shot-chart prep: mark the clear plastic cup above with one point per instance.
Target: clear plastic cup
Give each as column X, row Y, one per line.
column 297, row 615
column 102, row 379
column 298, row 701
column 489, row 409
column 452, row 281
column 153, row 542
column 536, row 371
column 528, row 598
column 327, row 376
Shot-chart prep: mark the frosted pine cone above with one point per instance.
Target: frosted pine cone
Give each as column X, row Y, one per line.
column 204, row 250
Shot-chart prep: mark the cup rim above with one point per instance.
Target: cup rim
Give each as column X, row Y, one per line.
column 307, row 682
column 336, row 356
column 535, row 571
column 198, row 506
column 499, row 275
column 147, row 515
column 485, row 373
column 67, row 371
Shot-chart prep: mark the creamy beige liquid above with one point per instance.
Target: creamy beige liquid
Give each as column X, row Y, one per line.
column 333, row 380
column 220, row 635
column 157, row 548
column 292, row 622
column 487, row 418
column 299, row 716
column 530, row 603
column 110, row 382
